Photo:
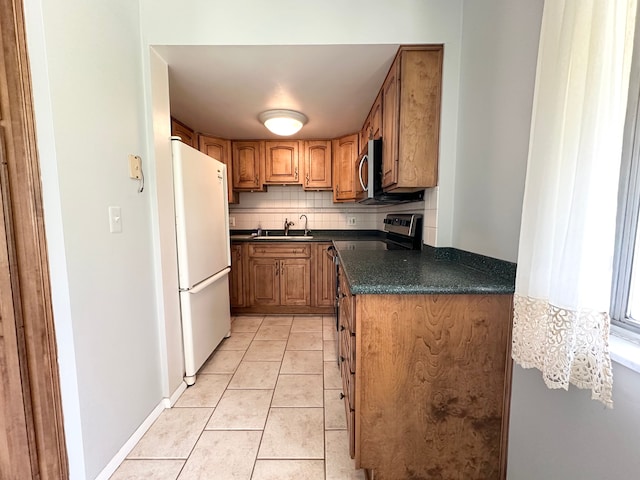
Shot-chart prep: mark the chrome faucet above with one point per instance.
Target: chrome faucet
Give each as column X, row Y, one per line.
column 287, row 224
column 306, row 221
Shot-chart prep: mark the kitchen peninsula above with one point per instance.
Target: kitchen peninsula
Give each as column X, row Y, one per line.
column 424, row 343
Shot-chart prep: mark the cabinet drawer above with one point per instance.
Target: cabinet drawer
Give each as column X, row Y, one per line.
column 279, row 250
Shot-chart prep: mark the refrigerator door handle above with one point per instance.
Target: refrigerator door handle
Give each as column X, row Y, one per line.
column 205, row 283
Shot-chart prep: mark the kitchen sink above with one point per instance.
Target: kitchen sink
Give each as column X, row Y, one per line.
column 284, row 237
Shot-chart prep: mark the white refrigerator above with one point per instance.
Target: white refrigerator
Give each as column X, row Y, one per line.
column 204, row 256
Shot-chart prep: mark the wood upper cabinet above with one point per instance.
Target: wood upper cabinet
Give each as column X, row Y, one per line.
column 248, row 165
column 411, row 96
column 324, row 287
column 345, row 156
column 220, row 149
column 282, row 162
column 236, row 278
column 279, row 274
column 186, row 134
column 372, row 127
column 317, row 165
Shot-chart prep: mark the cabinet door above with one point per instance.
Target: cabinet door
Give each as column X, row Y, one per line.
column 372, row 127
column 324, row 277
column 419, row 117
column 248, row 165
column 264, row 281
column 295, row 281
column 220, row 149
column 345, row 156
column 281, row 162
column 179, row 129
column 236, row 278
column 390, row 104
column 317, row 165
column 375, row 117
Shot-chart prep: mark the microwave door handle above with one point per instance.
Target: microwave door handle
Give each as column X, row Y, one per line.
column 364, row 157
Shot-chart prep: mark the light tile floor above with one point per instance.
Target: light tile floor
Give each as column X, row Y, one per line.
column 265, row 406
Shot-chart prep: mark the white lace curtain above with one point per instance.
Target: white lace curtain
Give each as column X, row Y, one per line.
column 563, row 283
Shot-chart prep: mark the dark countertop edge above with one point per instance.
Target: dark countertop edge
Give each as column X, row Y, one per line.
column 435, row 290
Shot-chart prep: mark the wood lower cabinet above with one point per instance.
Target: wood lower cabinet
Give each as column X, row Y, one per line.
column 220, row 149
column 186, row 134
column 324, row 288
column 236, row 278
column 282, row 165
column 317, row 165
column 345, row 156
column 426, row 380
column 281, row 278
column 411, row 96
column 279, row 274
column 248, row 165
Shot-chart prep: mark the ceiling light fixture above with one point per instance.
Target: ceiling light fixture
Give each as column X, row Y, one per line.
column 283, row 122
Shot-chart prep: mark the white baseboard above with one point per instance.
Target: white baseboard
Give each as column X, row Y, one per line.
column 119, row 457
column 171, row 401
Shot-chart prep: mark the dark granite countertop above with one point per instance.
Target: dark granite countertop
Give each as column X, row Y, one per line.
column 431, row 271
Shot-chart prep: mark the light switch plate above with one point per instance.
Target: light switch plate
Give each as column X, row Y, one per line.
column 115, row 220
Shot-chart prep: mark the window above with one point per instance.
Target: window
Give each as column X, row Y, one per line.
column 625, row 298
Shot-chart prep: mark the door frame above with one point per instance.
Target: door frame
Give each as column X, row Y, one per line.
column 27, row 331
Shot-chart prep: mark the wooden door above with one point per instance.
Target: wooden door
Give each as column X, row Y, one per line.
column 264, row 281
column 317, row 165
column 390, row 106
column 187, row 135
column 295, row 281
column 325, row 280
column 248, row 165
column 345, row 155
column 31, row 434
column 236, row 278
column 220, row 149
column 282, row 162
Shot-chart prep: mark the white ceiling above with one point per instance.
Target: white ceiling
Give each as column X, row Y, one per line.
column 220, row 90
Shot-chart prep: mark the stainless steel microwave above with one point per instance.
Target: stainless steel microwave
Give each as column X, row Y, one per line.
column 369, row 179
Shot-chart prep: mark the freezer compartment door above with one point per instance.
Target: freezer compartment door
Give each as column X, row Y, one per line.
column 206, row 320
column 202, row 212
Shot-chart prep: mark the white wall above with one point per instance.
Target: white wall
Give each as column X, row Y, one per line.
column 87, row 78
column 499, row 51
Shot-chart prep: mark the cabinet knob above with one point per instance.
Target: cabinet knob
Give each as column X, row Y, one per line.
column 277, row 268
column 296, row 173
column 341, row 395
column 257, row 179
column 342, row 328
column 342, row 359
column 307, row 179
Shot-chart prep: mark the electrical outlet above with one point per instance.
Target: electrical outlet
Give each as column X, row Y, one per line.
column 232, row 221
column 351, row 220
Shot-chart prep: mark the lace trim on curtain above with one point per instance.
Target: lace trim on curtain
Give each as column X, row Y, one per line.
column 566, row 346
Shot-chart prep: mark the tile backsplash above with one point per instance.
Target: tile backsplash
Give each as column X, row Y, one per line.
column 268, row 210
